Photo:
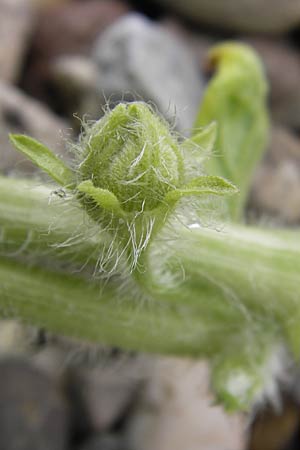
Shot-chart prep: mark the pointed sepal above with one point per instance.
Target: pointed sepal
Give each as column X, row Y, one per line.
column 204, row 185
column 103, row 197
column 205, row 137
column 42, row 157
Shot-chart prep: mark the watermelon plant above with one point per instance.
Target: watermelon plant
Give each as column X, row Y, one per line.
column 140, row 242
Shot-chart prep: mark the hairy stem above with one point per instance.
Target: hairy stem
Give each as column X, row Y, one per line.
column 236, row 279
column 71, row 306
column 257, row 274
column 35, row 220
column 247, row 260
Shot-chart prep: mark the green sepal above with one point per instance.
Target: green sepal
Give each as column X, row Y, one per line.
column 204, row 185
column 42, row 157
column 104, row 198
column 205, row 137
column 212, row 185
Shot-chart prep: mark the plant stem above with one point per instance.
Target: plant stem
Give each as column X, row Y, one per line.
column 262, row 267
column 236, row 279
column 257, row 274
column 34, row 220
column 71, row 306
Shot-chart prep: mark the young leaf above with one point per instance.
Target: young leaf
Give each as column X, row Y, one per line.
column 236, row 99
column 42, row 157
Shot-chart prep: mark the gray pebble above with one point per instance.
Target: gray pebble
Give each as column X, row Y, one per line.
column 33, row 412
column 139, row 59
column 21, row 114
column 282, row 64
column 267, row 16
column 275, row 193
column 16, row 24
column 104, row 442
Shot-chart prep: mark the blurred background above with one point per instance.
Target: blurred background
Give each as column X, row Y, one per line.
column 63, row 62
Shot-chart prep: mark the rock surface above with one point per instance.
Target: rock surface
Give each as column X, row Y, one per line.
column 276, row 185
column 21, row 114
column 78, row 22
column 15, row 338
column 276, row 430
column 33, row 412
column 108, row 391
column 176, row 412
column 139, row 59
column 273, row 16
column 75, row 81
column 104, row 442
column 282, row 63
column 16, row 23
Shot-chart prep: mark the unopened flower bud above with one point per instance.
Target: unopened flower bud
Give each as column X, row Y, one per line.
column 131, row 153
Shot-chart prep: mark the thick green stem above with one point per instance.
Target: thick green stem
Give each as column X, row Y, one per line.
column 35, row 220
column 238, row 278
column 71, row 306
column 262, row 267
column 257, row 273
column 230, row 295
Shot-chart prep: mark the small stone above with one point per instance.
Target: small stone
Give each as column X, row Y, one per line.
column 15, row 338
column 107, row 392
column 74, row 73
column 21, row 114
column 16, row 23
column 282, row 63
column 75, row 81
column 177, row 411
column 79, row 23
column 47, row 3
column 50, row 359
column 33, row 412
column 274, row 429
column 276, row 186
column 199, row 43
column 140, row 60
column 266, row 16
column 104, row 442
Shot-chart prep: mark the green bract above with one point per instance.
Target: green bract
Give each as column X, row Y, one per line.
column 132, row 172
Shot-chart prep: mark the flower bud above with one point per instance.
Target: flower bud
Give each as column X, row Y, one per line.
column 131, row 175
column 131, row 153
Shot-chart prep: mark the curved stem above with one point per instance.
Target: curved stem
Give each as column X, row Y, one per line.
column 257, row 273
column 35, row 220
column 237, row 279
column 103, row 313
